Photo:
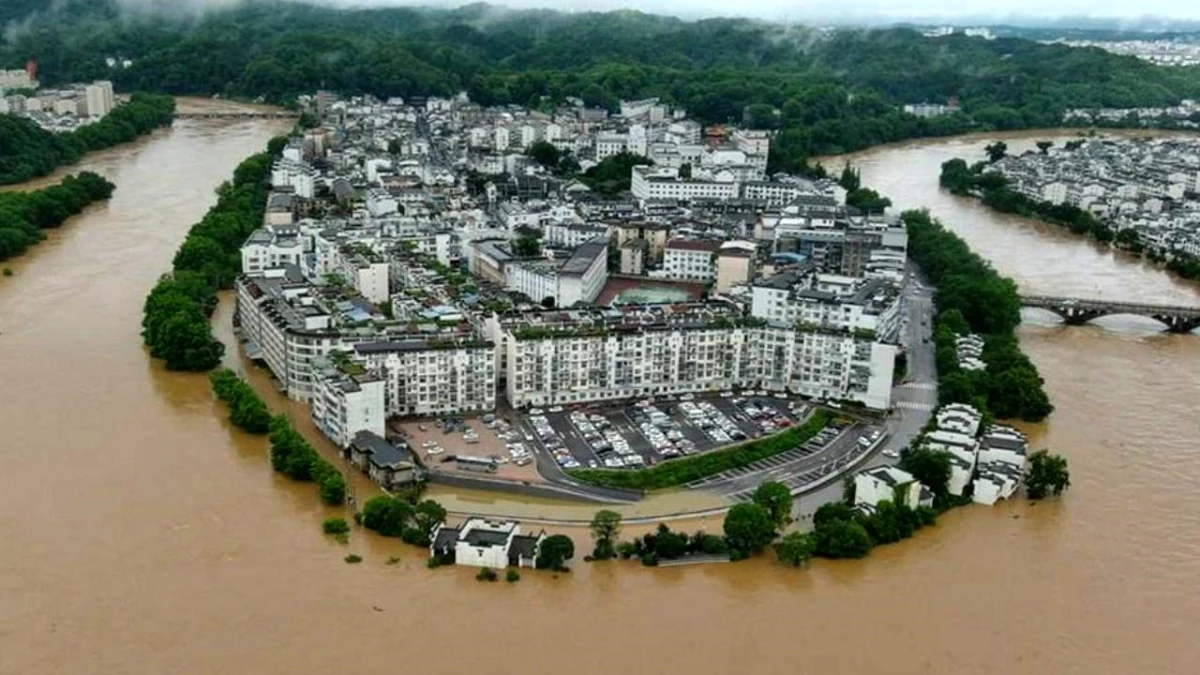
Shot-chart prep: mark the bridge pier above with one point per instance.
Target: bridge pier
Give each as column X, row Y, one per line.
column 1077, row 317
column 1179, row 324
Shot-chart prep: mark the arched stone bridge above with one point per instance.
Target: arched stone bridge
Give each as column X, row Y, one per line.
column 231, row 115
column 1076, row 311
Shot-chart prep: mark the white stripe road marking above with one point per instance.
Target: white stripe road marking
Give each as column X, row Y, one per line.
column 913, row 405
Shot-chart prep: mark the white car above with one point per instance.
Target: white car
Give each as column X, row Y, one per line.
column 890, row 453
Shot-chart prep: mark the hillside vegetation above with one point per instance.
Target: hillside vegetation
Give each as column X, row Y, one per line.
column 829, row 91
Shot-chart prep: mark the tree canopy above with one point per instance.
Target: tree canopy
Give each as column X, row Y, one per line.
column 748, row 529
column 24, row 215
column 28, row 151
column 1047, row 475
column 605, row 527
column 555, row 551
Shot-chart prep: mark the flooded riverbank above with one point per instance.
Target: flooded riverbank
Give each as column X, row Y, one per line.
column 143, row 534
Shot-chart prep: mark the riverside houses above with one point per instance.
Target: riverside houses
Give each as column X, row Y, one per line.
column 484, row 543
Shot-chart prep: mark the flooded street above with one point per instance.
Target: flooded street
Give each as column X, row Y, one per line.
column 140, row 533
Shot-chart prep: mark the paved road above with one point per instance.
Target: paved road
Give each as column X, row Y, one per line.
column 914, row 400
column 795, row 468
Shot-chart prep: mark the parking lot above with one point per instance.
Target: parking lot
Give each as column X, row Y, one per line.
column 485, row 438
column 647, row 432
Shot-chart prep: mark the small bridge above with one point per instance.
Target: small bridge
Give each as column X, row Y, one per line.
column 1077, row 311
column 247, row 115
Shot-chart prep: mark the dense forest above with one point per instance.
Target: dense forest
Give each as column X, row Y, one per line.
column 827, row 91
column 28, row 151
column 24, row 215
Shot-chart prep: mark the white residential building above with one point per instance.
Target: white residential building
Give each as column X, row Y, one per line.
column 612, row 354
column 432, row 377
column 99, row 98
column 828, row 301
column 347, row 399
column 381, row 203
column 484, row 543
column 271, row 247
column 664, row 183
column 890, row 484
column 690, row 260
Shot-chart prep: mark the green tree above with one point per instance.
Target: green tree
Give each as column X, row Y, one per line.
column 841, row 539
column 777, row 500
column 1044, row 146
column 868, row 200
column 931, row 468
column 748, row 528
column 528, row 246
column 555, row 551
column 1047, row 475
column 850, row 179
column 386, row 515
column 831, row 513
column 795, row 548
column 426, row 517
column 605, row 527
column 544, row 153
column 996, row 151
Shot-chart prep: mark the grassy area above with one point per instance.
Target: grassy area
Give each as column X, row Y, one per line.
column 679, row 471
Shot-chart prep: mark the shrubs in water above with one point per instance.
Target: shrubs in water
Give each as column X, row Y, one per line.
column 247, row 410
column 393, row 560
column 353, row 559
column 512, row 576
column 292, row 456
column 486, row 574
column 24, row 216
column 395, row 517
column 335, row 526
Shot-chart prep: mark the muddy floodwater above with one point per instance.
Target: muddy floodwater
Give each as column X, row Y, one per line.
column 140, row 533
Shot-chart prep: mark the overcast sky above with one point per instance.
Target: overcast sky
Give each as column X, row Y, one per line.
column 800, row 10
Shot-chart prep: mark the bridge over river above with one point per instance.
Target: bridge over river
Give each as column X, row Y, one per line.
column 236, row 115
column 1076, row 311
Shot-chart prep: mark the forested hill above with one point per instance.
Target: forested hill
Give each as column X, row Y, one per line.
column 835, row 90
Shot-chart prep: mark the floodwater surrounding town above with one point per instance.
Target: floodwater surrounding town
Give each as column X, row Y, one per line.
column 140, row 533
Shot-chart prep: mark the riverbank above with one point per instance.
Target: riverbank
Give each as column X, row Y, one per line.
column 32, row 152
column 992, row 190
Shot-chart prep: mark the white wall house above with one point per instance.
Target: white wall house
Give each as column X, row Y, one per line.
column 484, row 543
column 883, row 483
column 271, row 247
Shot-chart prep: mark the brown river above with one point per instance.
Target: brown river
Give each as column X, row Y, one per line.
column 140, row 533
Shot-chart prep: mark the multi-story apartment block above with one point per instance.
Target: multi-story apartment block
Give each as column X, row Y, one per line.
column 434, row 376
column 347, row 399
column 690, row 260
column 802, row 297
column 664, row 183
column 272, row 246
column 566, row 358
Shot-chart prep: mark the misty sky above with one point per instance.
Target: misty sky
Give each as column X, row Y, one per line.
column 799, row 10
